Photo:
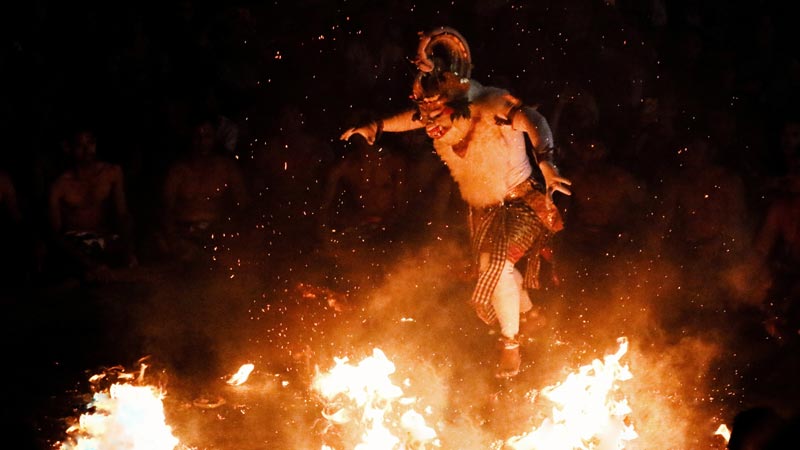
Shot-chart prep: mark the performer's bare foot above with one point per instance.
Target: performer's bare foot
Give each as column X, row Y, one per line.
column 510, row 358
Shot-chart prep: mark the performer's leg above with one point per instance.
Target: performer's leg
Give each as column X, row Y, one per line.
column 506, row 302
column 525, row 303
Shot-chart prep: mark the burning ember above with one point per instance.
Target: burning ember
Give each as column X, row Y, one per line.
column 362, row 398
column 241, row 376
column 724, row 432
column 587, row 413
column 123, row 416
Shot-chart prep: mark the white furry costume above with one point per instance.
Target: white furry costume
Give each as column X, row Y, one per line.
column 495, row 160
column 488, row 160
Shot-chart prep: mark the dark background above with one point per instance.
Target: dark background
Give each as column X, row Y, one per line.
column 135, row 72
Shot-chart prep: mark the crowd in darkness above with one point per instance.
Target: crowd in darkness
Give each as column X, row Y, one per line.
column 140, row 134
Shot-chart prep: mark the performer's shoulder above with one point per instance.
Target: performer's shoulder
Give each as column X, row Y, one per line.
column 495, row 99
column 479, row 93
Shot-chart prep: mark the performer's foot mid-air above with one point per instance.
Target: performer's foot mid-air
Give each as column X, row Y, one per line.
column 479, row 133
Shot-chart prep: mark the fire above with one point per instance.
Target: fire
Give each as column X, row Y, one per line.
column 241, row 376
column 587, row 411
column 124, row 416
column 362, row 396
column 724, row 432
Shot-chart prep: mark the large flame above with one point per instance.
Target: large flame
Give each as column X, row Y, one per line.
column 124, row 416
column 363, row 396
column 587, row 411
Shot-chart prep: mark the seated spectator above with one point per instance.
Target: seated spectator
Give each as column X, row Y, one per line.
column 790, row 146
column 704, row 207
column 604, row 197
column 434, row 205
column 287, row 172
column 576, row 115
column 786, row 437
column 755, row 429
column 363, row 211
column 11, row 228
column 8, row 201
column 702, row 228
column 290, row 162
column 767, row 278
column 200, row 192
column 652, row 142
column 372, row 181
column 772, row 273
column 88, row 213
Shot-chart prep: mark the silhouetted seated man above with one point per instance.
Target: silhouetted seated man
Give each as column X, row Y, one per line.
column 373, row 183
column 89, row 214
column 755, row 429
column 10, row 231
column 8, row 199
column 200, row 192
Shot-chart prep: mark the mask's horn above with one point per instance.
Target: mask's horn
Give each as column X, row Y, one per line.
column 444, row 50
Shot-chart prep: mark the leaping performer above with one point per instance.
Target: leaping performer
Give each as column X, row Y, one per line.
column 479, row 133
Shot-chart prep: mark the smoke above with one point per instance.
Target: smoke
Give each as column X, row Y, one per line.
column 292, row 319
column 420, row 318
column 676, row 350
column 670, row 394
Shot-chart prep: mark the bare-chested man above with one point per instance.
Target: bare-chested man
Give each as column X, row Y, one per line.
column 604, row 197
column 479, row 133
column 704, row 206
column 88, row 210
column 773, row 272
column 374, row 182
column 199, row 192
column 8, row 200
column 703, row 227
column 10, row 231
column 364, row 201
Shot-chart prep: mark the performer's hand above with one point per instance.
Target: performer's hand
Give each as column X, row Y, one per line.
column 554, row 181
column 369, row 132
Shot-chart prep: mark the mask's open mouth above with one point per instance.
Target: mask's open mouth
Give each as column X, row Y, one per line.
column 436, row 131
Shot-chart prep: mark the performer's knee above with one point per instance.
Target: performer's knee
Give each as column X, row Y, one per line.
column 485, row 259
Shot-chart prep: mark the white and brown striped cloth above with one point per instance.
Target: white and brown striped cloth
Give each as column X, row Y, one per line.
column 494, row 230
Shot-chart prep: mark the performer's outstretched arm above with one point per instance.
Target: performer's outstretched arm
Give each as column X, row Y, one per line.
column 403, row 121
column 535, row 125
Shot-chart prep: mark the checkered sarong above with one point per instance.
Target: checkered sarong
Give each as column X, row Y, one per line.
column 511, row 224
